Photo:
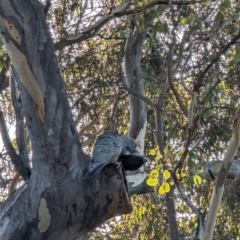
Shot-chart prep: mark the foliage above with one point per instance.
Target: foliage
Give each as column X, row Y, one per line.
column 91, row 72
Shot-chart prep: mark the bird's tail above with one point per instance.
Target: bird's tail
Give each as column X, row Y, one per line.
column 94, row 170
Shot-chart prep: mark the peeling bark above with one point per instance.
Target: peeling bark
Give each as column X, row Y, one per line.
column 55, row 191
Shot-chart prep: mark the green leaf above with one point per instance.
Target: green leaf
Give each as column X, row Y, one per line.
column 2, row 63
column 200, row 169
column 226, row 4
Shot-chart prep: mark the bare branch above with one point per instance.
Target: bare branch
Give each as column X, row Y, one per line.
column 184, row 197
column 191, row 131
column 93, row 136
column 112, row 123
column 47, row 6
column 89, row 125
column 170, row 79
column 163, row 2
column 159, row 117
column 184, row 85
column 198, row 84
column 197, row 144
column 180, row 55
column 190, row 112
column 117, row 12
column 137, row 94
column 209, row 92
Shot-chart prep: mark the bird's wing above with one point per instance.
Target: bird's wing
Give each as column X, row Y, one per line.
column 94, row 170
column 106, row 150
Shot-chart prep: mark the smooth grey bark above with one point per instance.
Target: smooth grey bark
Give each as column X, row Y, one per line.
column 133, row 69
column 55, row 203
column 138, row 114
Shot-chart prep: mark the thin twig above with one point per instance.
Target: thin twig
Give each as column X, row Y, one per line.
column 170, row 79
column 198, row 84
column 137, row 94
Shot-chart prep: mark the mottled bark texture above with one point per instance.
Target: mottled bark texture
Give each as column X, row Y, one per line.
column 138, row 113
column 55, row 203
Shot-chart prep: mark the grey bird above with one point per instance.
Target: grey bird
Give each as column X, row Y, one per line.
column 107, row 149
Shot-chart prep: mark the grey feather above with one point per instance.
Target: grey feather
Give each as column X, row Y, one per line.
column 107, row 149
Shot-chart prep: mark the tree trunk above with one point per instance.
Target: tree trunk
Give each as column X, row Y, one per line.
column 138, row 110
column 55, row 203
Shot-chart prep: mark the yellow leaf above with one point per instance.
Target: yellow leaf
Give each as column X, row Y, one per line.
column 183, row 175
column 159, row 155
column 142, row 210
column 152, row 152
column 152, row 182
column 166, row 187
column 156, row 148
column 159, row 166
column 197, row 180
column 184, row 21
column 171, row 183
column 154, row 173
column 178, row 176
column 166, row 174
column 161, row 190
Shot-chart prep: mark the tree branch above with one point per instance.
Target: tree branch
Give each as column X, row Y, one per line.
column 47, row 6
column 155, row 3
column 221, row 177
column 137, row 94
column 94, row 29
column 15, row 158
column 185, row 198
column 93, row 136
column 184, row 85
column 170, row 79
column 190, row 112
column 4, row 81
column 116, row 12
column 198, row 84
column 180, row 55
column 20, row 136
